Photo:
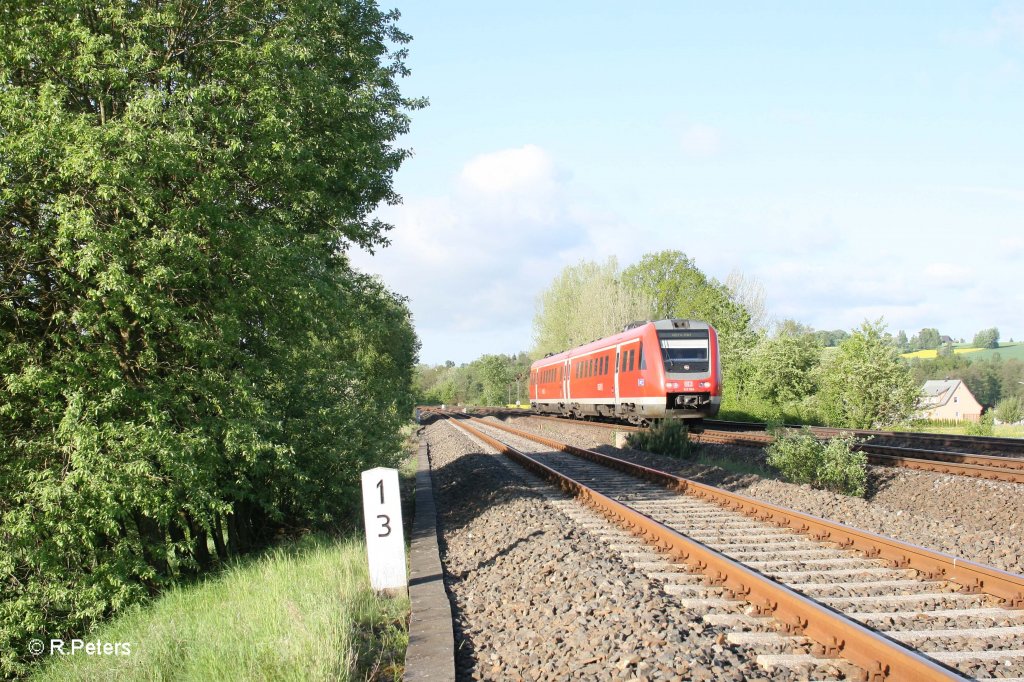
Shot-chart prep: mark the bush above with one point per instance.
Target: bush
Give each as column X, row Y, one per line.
column 667, row 437
column 982, row 427
column 1010, row 410
column 830, row 465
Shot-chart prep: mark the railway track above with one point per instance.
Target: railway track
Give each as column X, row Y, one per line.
column 794, row 586
column 989, row 467
column 1007, row 447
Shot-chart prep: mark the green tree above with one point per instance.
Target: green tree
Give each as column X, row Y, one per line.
column 926, row 339
column 784, row 368
column 1010, row 410
column 498, row 374
column 674, row 286
column 987, row 338
column 831, row 338
column 902, row 344
column 188, row 360
column 586, row 301
column 865, row 384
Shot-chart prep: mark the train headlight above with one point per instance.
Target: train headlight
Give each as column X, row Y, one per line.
column 705, row 384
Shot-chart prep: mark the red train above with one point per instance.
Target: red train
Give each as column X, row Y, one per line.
column 652, row 370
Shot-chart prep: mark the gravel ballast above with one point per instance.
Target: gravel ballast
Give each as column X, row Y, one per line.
column 978, row 520
column 537, row 595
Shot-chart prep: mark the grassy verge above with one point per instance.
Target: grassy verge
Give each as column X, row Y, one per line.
column 303, row 611
column 1000, row 430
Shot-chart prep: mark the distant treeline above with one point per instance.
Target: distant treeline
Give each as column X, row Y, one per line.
column 775, row 371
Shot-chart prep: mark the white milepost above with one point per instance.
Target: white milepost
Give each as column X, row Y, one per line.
column 385, row 542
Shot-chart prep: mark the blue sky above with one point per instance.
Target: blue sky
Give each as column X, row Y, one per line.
column 857, row 159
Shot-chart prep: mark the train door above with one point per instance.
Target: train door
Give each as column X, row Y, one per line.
column 565, row 381
column 617, row 379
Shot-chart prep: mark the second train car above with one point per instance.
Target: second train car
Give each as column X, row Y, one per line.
column 652, row 370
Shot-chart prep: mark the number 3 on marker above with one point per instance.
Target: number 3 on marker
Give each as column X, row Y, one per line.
column 386, row 524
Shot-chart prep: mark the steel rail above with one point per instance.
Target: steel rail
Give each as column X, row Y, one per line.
column 973, row 577
column 880, row 657
column 1006, row 469
column 583, row 422
column 988, row 467
column 984, row 442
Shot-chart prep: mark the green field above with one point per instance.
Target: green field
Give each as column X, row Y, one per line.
column 1006, row 351
column 303, row 611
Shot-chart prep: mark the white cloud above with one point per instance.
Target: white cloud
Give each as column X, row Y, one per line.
column 473, row 260
column 527, row 169
column 700, row 141
column 948, row 271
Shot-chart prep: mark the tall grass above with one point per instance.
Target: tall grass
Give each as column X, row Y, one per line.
column 304, row 611
column 666, row 437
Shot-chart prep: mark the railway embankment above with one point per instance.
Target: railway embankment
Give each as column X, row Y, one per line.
column 976, row 519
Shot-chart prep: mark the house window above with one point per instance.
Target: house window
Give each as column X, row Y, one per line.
column 956, row 399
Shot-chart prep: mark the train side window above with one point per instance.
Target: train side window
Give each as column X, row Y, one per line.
column 622, row 368
column 604, row 365
column 630, row 361
column 616, row 366
column 643, row 360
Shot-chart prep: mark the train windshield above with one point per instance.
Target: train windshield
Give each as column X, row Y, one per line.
column 684, row 350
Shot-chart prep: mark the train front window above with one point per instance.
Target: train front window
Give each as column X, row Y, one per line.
column 684, row 350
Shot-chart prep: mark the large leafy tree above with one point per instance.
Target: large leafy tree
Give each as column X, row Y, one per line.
column 586, row 301
column 987, row 338
column 674, row 286
column 188, row 363
column 784, row 366
column 865, row 384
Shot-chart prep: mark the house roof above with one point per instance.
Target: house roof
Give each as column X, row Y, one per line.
column 937, row 392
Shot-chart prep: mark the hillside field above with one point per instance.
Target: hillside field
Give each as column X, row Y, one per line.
column 1006, row 351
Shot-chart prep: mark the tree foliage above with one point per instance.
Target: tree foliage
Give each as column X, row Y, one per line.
column 748, row 292
column 865, row 383
column 784, row 367
column 1010, row 410
column 586, row 301
column 674, row 286
column 831, row 465
column 987, row 338
column 926, row 339
column 488, row 380
column 189, row 364
column 989, row 379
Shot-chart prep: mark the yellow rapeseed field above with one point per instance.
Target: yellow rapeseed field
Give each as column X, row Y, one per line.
column 931, row 353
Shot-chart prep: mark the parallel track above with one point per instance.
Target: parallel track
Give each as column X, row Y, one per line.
column 989, row 467
column 895, row 610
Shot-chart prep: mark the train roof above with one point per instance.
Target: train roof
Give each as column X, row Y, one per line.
column 631, row 331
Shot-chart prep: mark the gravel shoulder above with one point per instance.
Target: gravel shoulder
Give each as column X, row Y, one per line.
column 978, row 520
